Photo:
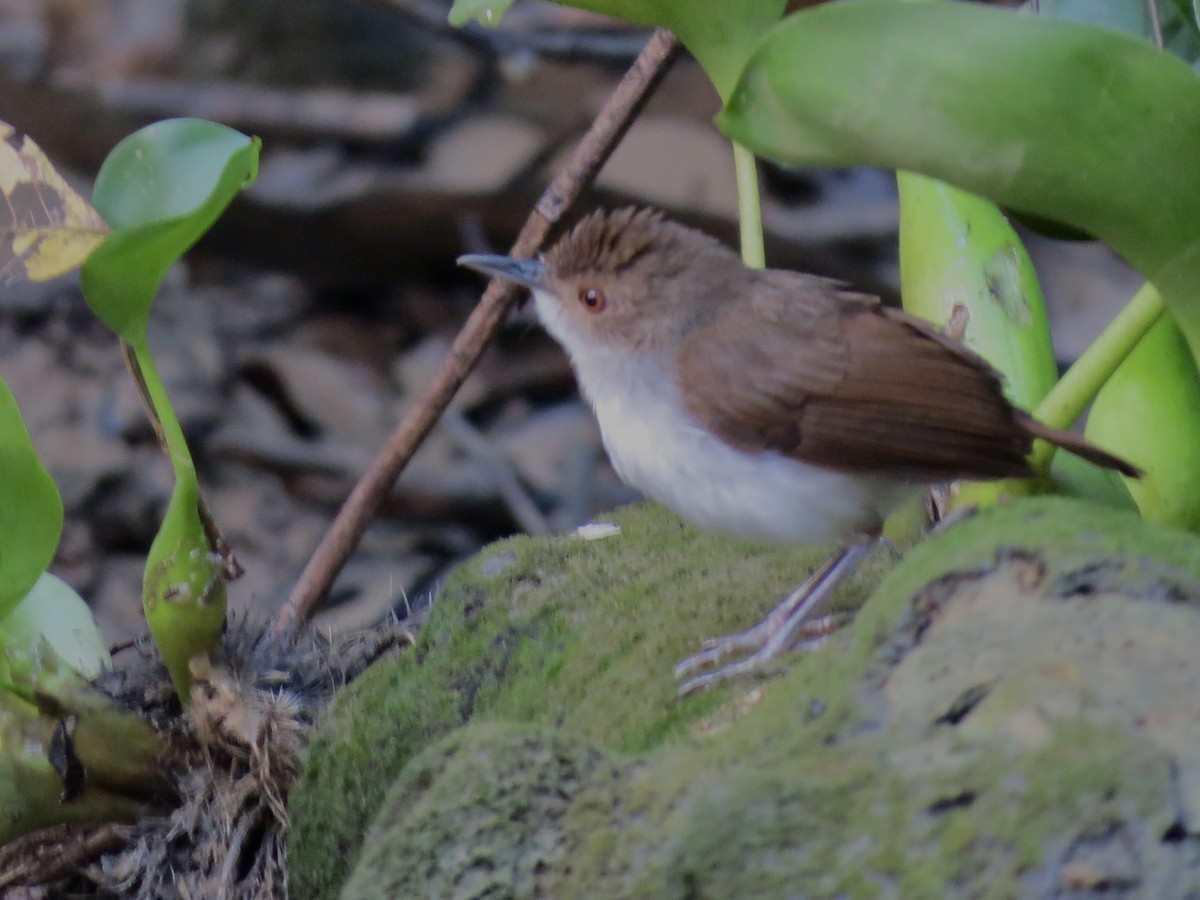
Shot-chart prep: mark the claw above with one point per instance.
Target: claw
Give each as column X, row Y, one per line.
column 783, row 627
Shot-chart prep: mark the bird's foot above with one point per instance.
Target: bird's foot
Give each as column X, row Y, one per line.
column 767, row 645
column 785, row 626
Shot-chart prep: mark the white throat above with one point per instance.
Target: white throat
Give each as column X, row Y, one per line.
column 656, row 447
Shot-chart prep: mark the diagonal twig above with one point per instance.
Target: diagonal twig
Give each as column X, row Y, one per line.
column 591, row 153
column 506, row 482
column 1155, row 25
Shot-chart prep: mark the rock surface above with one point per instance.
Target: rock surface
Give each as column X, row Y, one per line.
column 1012, row 714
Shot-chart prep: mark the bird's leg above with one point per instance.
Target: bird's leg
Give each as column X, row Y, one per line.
column 776, row 633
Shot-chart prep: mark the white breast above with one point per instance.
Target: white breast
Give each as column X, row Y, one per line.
column 658, row 449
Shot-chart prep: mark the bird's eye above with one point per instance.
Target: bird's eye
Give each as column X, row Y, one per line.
column 593, row 300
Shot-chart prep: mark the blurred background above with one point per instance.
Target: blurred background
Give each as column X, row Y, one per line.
column 295, row 334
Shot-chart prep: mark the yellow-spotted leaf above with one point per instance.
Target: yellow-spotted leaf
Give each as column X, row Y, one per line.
column 46, row 228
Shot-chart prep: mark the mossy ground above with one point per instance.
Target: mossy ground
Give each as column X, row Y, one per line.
column 880, row 766
column 576, row 634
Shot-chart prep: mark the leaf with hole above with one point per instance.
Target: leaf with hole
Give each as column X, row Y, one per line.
column 46, row 227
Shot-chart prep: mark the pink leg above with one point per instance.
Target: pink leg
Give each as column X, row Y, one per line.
column 774, row 634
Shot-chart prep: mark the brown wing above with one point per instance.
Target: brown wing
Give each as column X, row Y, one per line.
column 836, row 380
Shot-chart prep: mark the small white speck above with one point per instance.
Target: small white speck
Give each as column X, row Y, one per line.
column 595, row 531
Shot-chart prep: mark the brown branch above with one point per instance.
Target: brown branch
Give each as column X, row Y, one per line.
column 500, row 297
column 1155, row 25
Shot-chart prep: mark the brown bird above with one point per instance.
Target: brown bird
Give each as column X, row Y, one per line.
column 767, row 403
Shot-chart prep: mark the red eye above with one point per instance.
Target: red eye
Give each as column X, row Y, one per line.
column 593, row 300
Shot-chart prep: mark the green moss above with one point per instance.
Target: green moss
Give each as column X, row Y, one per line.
column 566, row 632
column 354, row 754
column 1064, row 529
column 477, row 814
column 843, row 778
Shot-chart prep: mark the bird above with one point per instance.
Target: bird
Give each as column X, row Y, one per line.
column 766, row 403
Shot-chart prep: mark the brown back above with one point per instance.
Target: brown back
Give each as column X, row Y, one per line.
column 834, row 379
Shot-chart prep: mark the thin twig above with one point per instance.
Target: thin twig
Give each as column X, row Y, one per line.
column 504, row 479
column 500, row 297
column 1155, row 25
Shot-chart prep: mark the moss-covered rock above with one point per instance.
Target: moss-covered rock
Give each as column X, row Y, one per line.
column 1011, row 715
column 480, row 814
column 571, row 633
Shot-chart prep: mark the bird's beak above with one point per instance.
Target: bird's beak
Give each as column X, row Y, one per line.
column 528, row 272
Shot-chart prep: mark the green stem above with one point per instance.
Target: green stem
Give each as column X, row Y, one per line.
column 160, row 403
column 1079, row 385
column 745, row 169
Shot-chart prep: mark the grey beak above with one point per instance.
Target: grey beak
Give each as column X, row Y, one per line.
column 528, row 272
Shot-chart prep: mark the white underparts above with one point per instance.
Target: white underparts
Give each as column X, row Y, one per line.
column 658, row 449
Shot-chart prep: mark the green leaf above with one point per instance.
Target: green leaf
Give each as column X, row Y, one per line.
column 719, row 33
column 160, row 189
column 1065, row 121
column 1149, row 413
column 1131, row 16
column 54, row 613
column 1077, row 477
column 486, row 12
column 959, row 251
column 1176, row 22
column 1189, row 10
column 31, row 510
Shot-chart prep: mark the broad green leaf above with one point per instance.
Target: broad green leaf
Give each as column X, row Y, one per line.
column 1176, row 22
column 160, row 189
column 958, row 252
column 31, row 510
column 1149, row 413
column 486, row 12
column 54, row 613
column 719, row 33
column 1131, row 16
column 1077, row 477
column 1060, row 120
column 46, row 227
column 1189, row 10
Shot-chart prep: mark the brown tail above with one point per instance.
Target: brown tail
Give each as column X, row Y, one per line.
column 1073, row 443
